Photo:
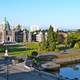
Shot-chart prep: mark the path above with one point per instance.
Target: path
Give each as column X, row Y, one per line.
column 20, row 73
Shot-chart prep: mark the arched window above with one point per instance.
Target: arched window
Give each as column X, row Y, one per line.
column 8, row 38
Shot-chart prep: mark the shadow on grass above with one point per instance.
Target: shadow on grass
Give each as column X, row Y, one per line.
column 63, row 48
column 13, row 48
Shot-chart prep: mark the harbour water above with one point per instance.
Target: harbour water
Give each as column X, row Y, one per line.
column 71, row 72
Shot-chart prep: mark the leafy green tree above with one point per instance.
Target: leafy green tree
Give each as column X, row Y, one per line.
column 77, row 45
column 72, row 38
column 26, row 30
column 67, row 40
column 78, row 30
column 18, row 27
column 35, row 59
column 51, row 39
column 34, row 53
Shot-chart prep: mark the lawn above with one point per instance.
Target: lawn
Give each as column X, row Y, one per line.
column 33, row 45
column 19, row 53
column 27, row 48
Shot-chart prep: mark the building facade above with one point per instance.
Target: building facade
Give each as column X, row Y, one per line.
column 7, row 35
column 17, row 35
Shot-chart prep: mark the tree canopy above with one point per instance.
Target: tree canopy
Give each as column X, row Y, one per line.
column 72, row 38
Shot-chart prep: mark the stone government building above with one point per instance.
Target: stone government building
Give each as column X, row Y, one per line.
column 16, row 35
column 8, row 35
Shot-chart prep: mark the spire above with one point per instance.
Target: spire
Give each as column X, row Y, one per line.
column 6, row 24
column 5, row 20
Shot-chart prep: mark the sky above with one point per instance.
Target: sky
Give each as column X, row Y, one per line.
column 61, row 13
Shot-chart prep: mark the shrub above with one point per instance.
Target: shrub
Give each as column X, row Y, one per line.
column 34, row 53
column 20, row 60
column 77, row 45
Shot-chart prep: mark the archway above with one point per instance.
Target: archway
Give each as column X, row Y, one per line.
column 8, row 38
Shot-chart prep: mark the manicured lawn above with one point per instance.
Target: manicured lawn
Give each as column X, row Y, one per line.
column 33, row 45
column 26, row 52
column 27, row 48
column 10, row 47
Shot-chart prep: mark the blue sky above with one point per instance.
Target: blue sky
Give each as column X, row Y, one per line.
column 63, row 13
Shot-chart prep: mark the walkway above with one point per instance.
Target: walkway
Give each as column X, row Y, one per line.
column 21, row 73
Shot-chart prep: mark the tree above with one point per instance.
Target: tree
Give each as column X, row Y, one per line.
column 35, row 59
column 72, row 38
column 78, row 30
column 34, row 53
column 43, row 43
column 51, row 39
column 77, row 45
column 18, row 27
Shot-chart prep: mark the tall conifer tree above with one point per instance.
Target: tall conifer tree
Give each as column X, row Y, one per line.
column 51, row 39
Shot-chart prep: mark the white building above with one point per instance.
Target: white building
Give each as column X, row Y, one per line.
column 39, row 37
column 55, row 28
column 34, row 28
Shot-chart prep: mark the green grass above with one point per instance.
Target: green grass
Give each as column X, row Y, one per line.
column 26, row 52
column 20, row 49
column 28, row 48
column 10, row 47
column 32, row 45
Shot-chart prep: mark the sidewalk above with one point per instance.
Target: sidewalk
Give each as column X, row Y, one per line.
column 18, row 72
